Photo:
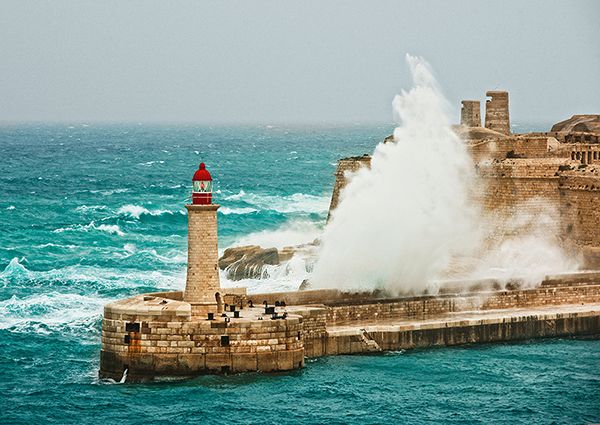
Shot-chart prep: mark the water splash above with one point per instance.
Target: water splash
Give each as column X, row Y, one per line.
column 124, row 377
column 402, row 224
column 388, row 231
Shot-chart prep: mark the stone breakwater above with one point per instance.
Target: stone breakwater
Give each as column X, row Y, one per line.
column 155, row 335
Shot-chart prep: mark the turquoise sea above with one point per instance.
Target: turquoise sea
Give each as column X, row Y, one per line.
column 92, row 213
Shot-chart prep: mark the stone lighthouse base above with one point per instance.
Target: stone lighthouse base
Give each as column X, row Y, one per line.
column 156, row 335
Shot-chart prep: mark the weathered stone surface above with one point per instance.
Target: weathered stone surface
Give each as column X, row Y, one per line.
column 345, row 168
column 470, row 113
column 579, row 123
column 496, row 111
column 247, row 262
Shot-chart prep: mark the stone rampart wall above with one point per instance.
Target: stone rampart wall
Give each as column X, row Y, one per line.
column 430, row 307
column 580, row 200
column 524, row 147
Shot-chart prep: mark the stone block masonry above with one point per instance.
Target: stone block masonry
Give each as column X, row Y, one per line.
column 156, row 335
column 470, row 113
column 496, row 112
column 202, row 282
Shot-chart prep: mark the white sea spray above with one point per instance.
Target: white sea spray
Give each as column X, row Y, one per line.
column 400, row 223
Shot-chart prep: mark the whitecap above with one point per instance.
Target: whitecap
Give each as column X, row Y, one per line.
column 110, row 192
column 108, row 228
column 236, row 197
column 55, row 245
column 136, row 211
column 86, row 208
column 227, row 210
column 11, row 207
column 290, row 234
column 52, row 312
column 15, row 269
column 295, row 203
column 111, row 228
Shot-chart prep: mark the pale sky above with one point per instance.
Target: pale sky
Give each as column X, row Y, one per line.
column 289, row 62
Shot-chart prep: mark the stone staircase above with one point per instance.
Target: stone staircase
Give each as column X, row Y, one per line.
column 369, row 343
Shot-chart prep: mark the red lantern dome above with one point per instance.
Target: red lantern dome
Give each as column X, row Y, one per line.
column 202, row 186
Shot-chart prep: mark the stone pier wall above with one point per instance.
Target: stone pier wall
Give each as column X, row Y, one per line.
column 163, row 344
column 428, row 307
column 374, row 338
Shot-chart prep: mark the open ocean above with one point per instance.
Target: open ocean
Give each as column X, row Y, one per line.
column 93, row 213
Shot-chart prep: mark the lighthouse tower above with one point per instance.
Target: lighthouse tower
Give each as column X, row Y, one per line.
column 202, row 287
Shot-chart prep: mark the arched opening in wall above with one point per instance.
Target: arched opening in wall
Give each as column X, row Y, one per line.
column 219, row 302
column 589, row 158
column 595, row 155
column 578, row 156
column 572, row 155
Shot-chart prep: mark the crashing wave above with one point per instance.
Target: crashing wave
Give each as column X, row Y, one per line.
column 136, row 211
column 91, row 278
column 290, row 234
column 178, row 257
column 53, row 312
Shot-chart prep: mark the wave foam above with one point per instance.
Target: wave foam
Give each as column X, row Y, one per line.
column 177, row 257
column 295, row 203
column 90, row 278
column 136, row 211
column 238, row 211
column 108, row 228
column 86, row 208
column 54, row 312
column 290, row 234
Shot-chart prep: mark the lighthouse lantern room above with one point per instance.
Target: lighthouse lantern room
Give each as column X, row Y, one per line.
column 202, row 186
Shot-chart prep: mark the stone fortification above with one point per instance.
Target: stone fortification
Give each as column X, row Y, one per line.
column 344, row 168
column 496, row 112
column 470, row 113
column 531, row 174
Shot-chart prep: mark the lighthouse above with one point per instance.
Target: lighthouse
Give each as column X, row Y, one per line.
column 202, row 287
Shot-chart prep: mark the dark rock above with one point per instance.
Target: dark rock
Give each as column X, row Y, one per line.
column 247, row 262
